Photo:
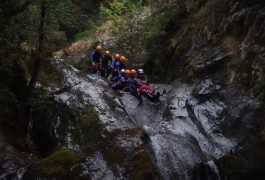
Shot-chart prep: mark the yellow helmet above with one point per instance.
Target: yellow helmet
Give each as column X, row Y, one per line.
column 127, row 71
column 123, row 59
column 107, row 53
column 117, row 56
column 98, row 48
column 133, row 71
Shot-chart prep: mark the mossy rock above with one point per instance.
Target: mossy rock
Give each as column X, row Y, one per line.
column 231, row 167
column 91, row 129
column 58, row 165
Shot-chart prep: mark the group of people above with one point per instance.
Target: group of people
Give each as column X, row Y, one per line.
column 122, row 78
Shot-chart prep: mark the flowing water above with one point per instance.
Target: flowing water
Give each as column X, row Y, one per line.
column 185, row 129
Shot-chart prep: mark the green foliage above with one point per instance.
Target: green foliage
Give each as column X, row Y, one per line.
column 133, row 29
column 85, row 34
column 120, row 9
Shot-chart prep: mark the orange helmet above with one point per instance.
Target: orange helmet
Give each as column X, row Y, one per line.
column 133, row 71
column 98, row 48
column 127, row 71
column 123, row 59
column 117, row 56
column 107, row 53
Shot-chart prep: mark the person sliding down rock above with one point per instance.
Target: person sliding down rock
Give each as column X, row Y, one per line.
column 149, row 93
column 139, row 87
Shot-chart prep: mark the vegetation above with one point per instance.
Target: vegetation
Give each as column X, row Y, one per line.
column 30, row 32
column 59, row 164
column 167, row 38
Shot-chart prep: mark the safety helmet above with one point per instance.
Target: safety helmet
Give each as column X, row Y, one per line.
column 123, row 59
column 98, row 48
column 140, row 71
column 107, row 53
column 127, row 71
column 122, row 70
column 133, row 71
column 117, row 56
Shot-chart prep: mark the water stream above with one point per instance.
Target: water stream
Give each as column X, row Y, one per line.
column 184, row 130
column 187, row 128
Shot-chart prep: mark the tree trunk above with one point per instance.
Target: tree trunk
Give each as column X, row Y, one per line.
column 38, row 60
column 27, row 105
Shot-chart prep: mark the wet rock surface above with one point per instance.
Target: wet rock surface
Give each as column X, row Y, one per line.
column 113, row 136
column 12, row 163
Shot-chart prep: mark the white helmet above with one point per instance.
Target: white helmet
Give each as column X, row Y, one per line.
column 123, row 70
column 140, row 71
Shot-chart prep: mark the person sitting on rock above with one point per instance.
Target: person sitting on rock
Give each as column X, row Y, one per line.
column 134, row 86
column 116, row 81
column 126, row 80
column 117, row 78
column 141, row 80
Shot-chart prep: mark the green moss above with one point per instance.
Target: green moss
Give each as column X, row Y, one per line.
column 91, row 129
column 57, row 165
column 88, row 116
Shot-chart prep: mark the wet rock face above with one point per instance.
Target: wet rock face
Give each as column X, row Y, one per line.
column 209, row 61
column 98, row 138
column 12, row 164
column 196, row 124
column 109, row 135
